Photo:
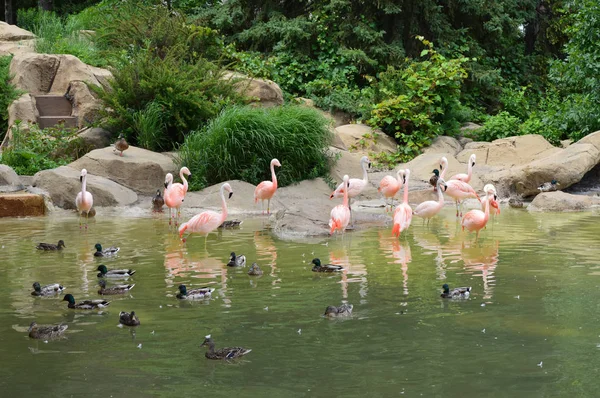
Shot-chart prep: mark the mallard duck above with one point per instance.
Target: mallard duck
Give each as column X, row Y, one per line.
column 341, row 311
column 549, row 186
column 231, row 224
column 325, row 268
column 114, row 273
column 121, row 144
column 236, row 261
column 434, row 178
column 111, row 251
column 46, row 332
column 456, row 293
column 222, row 353
column 128, row 319
column 194, row 294
column 47, row 290
column 85, row 304
column 118, row 289
column 51, row 246
column 255, row 270
column 157, row 201
column 515, row 202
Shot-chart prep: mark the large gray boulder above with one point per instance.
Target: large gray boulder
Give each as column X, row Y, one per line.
column 444, row 144
column 138, row 169
column 360, row 138
column 263, row 92
column 14, row 40
column 562, row 201
column 62, row 185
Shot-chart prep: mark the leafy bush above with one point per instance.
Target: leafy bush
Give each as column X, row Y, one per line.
column 515, row 102
column 149, row 127
column 8, row 93
column 37, row 149
column 241, row 141
column 498, row 126
column 536, row 125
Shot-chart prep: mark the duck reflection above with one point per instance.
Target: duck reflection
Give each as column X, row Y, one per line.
column 484, row 258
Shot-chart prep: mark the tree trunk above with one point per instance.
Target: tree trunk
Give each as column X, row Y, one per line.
column 45, row 5
column 8, row 12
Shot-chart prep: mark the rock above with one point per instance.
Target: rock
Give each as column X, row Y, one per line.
column 8, row 176
column 363, row 139
column 14, row 33
column 138, row 169
column 348, row 163
column 264, row 92
column 565, row 143
column 469, row 127
column 21, row 205
column 33, row 72
column 445, row 145
column 562, row 201
column 464, row 140
column 16, row 47
column 86, row 105
column 70, row 69
column 104, row 76
column 62, row 185
column 96, row 137
column 23, row 109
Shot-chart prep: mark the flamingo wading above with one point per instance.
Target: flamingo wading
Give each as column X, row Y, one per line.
column 84, row 200
column 266, row 189
column 207, row 221
column 476, row 220
column 356, row 186
column 466, row 177
column 389, row 187
column 340, row 214
column 174, row 193
column 430, row 208
column 403, row 213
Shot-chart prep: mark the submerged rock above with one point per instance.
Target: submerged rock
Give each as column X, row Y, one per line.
column 562, row 201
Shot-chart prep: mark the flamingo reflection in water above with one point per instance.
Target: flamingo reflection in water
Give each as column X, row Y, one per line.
column 400, row 252
column 354, row 271
column 266, row 253
column 478, row 258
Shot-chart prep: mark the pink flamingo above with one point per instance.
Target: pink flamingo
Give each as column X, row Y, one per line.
column 430, row 208
column 456, row 189
column 84, row 200
column 209, row 220
column 443, row 166
column 340, row 214
column 356, row 185
column 389, row 187
column 466, row 177
column 174, row 193
column 266, row 189
column 494, row 207
column 403, row 213
column 475, row 220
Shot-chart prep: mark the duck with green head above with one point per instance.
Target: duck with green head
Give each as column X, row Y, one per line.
column 85, row 304
column 549, row 186
column 46, row 332
column 128, row 318
column 236, row 261
column 51, row 246
column 230, row 224
column 434, row 179
column 342, row 311
column 456, row 293
column 194, row 294
column 47, row 290
column 222, row 353
column 114, row 273
column 325, row 268
column 111, row 251
column 118, row 289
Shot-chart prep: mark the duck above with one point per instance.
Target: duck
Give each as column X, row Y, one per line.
column 91, row 213
column 158, row 201
column 255, row 270
column 121, row 144
column 236, row 261
column 456, row 293
column 325, row 268
column 231, row 224
column 549, row 186
column 51, row 246
column 194, row 294
column 86, row 304
column 517, row 203
column 222, row 353
column 434, row 178
column 111, row 251
column 128, row 318
column 341, row 311
column 114, row 273
column 47, row 290
column 46, row 332
column 118, row 289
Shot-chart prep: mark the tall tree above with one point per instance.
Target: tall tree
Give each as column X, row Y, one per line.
column 8, row 12
column 45, row 5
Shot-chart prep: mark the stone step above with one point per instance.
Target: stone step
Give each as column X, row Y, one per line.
column 53, row 105
column 21, row 205
column 51, row 121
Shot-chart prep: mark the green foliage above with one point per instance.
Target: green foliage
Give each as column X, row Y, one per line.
column 536, row 125
column 241, row 141
column 36, row 149
column 498, row 126
column 8, row 93
column 149, row 127
column 515, row 102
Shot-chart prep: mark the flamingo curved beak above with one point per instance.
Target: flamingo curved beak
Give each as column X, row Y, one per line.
column 230, row 194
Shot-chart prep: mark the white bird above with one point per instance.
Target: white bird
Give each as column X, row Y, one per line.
column 357, row 185
column 84, row 200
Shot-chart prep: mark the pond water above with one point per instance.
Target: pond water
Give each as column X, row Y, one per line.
column 531, row 327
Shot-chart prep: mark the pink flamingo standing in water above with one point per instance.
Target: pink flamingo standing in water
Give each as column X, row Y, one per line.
column 476, row 220
column 266, row 189
column 466, row 177
column 430, row 208
column 340, row 214
column 209, row 220
column 456, row 189
column 356, row 186
column 84, row 200
column 389, row 187
column 403, row 213
column 494, row 207
column 174, row 193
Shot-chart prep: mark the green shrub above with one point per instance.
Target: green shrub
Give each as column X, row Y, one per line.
column 515, row 102
column 498, row 126
column 536, row 125
column 149, row 127
column 8, row 93
column 241, row 141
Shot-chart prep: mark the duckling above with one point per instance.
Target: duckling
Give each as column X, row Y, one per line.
column 114, row 273
column 549, row 186
column 194, row 294
column 456, row 293
column 341, row 311
column 46, row 332
column 91, row 213
column 157, row 201
column 118, row 289
column 236, row 261
column 222, row 353
column 128, row 319
column 47, row 290
column 51, row 246
column 121, row 144
column 434, row 178
column 515, row 202
column 106, row 252
column 325, row 268
column 255, row 270
column 86, row 304
column 231, row 224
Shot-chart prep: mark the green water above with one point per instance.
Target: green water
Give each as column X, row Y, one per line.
column 535, row 292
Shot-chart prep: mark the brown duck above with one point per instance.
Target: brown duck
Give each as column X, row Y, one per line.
column 222, row 353
column 121, row 144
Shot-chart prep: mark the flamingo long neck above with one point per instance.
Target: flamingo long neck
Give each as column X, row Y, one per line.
column 365, row 175
column 83, row 184
column 444, row 169
column 273, row 177
column 440, row 194
column 346, row 188
column 470, row 169
column 185, row 183
column 487, row 209
column 406, row 189
column 224, row 205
